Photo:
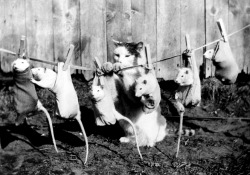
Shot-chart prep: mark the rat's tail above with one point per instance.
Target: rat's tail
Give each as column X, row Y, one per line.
column 41, row 108
column 121, row 117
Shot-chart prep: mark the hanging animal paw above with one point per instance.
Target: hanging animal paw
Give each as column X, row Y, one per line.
column 107, row 68
column 117, row 67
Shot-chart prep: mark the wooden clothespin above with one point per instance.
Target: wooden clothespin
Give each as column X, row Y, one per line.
column 68, row 57
column 188, row 44
column 98, row 80
column 188, row 51
column 222, row 29
column 148, row 57
column 22, row 51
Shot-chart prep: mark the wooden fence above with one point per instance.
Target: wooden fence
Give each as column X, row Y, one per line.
column 52, row 25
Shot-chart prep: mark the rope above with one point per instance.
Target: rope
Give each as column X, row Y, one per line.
column 85, row 68
column 45, row 61
column 213, row 42
column 221, row 38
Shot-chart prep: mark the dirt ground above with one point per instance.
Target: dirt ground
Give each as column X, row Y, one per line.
column 220, row 145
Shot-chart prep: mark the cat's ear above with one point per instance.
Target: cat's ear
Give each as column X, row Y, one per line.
column 139, row 46
column 116, row 43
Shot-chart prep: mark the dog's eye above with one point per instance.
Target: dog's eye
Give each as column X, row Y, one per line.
column 118, row 55
column 127, row 56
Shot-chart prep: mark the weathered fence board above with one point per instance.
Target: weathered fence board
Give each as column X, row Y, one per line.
column 238, row 19
column 192, row 23
column 246, row 38
column 39, row 42
column 93, row 33
column 66, row 27
column 214, row 10
column 168, row 37
column 144, row 22
column 118, row 23
column 13, row 26
column 91, row 25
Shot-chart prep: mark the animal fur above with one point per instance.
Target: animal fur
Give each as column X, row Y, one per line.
column 151, row 127
column 189, row 91
column 148, row 90
column 105, row 111
column 226, row 67
column 25, row 96
column 66, row 97
column 185, row 77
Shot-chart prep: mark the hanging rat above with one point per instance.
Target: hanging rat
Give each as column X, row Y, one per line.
column 148, row 90
column 104, row 107
column 189, row 90
column 188, row 93
column 25, row 96
column 61, row 85
column 226, row 67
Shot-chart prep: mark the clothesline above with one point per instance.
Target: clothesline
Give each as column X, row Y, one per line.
column 85, row 68
column 213, row 42
column 198, row 48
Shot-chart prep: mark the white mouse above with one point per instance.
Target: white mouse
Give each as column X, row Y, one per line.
column 61, row 84
column 105, row 111
column 25, row 96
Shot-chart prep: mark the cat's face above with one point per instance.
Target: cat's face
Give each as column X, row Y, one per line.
column 128, row 54
column 97, row 93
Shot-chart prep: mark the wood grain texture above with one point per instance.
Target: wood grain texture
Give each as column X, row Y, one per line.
column 91, row 25
column 118, row 24
column 214, row 10
column 168, row 37
column 39, row 29
column 144, row 23
column 12, row 26
column 238, row 17
column 66, row 28
column 193, row 24
column 93, row 33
